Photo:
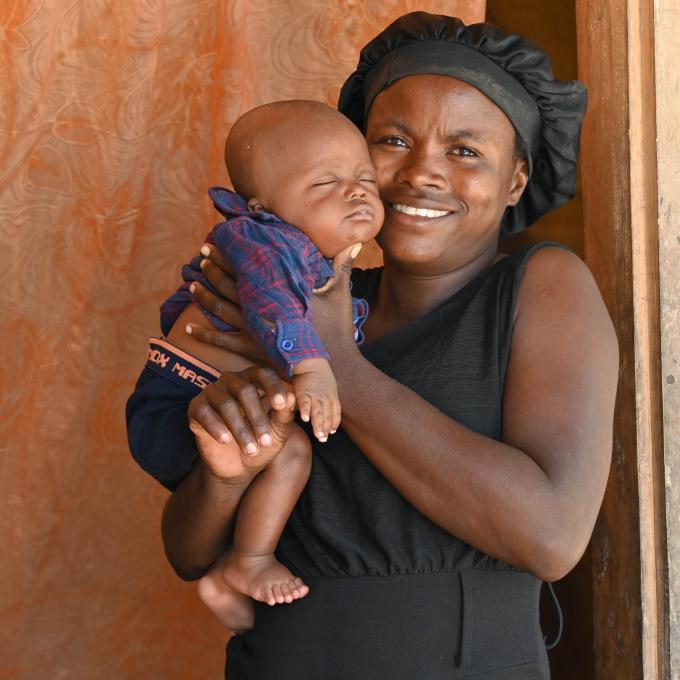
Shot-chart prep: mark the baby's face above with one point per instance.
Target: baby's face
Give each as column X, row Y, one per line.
column 329, row 191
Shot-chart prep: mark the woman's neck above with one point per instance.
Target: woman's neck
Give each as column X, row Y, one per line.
column 405, row 295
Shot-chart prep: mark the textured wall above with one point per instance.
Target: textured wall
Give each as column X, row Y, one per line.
column 112, row 119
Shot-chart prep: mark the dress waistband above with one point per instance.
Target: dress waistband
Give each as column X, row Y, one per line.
column 481, row 623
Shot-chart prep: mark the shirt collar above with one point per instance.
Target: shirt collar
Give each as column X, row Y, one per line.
column 231, row 204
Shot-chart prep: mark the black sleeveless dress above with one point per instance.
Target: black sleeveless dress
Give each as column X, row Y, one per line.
column 392, row 595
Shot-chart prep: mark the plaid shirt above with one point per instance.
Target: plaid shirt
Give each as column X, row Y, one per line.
column 277, row 267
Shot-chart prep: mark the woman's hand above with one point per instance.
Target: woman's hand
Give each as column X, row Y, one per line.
column 241, row 422
column 332, row 306
column 225, row 306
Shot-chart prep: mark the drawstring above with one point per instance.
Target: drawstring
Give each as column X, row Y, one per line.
column 560, row 619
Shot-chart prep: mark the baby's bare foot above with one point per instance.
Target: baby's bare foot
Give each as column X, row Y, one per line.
column 263, row 578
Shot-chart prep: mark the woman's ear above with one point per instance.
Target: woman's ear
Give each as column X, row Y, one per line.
column 520, row 178
column 255, row 205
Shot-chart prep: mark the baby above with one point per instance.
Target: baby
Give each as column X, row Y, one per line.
column 305, row 190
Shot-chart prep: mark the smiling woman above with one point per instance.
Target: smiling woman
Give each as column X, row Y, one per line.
column 439, row 144
column 475, row 417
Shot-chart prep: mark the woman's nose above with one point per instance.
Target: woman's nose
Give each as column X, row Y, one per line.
column 423, row 172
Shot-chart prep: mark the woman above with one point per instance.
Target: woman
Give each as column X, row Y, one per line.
column 477, row 416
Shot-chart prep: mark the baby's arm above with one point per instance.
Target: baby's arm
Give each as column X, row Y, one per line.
column 316, row 393
column 276, row 270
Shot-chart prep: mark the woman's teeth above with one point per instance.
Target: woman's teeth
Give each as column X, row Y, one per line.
column 421, row 212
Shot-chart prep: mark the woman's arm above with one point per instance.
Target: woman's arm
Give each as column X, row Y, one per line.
column 226, row 419
column 198, row 517
column 531, row 499
column 198, row 521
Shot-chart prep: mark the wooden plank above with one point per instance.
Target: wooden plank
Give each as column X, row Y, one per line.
column 642, row 131
column 603, row 65
column 667, row 23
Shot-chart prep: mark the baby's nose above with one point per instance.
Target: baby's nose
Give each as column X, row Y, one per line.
column 355, row 190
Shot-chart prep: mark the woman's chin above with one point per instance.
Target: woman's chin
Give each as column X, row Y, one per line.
column 411, row 258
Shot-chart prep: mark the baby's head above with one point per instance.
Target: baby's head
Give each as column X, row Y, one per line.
column 308, row 164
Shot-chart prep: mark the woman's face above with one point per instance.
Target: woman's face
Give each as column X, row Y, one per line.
column 444, row 155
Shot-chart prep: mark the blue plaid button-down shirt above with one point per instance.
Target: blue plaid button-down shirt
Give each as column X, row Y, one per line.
column 277, row 267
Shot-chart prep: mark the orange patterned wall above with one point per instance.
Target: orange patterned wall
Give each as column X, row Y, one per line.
column 112, row 120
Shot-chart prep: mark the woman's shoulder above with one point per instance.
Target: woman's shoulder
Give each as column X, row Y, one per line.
column 540, row 252
column 555, row 279
column 549, row 264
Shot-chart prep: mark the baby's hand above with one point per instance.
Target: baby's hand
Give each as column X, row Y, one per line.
column 316, row 393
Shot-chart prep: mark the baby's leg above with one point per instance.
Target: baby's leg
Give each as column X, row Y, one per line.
column 250, row 566
column 234, row 610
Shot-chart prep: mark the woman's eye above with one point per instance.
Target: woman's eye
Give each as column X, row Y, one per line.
column 325, row 182
column 465, row 151
column 393, row 140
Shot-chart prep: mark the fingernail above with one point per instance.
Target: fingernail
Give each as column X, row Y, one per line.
column 187, row 328
column 225, row 438
column 266, row 440
column 323, row 440
column 203, row 264
column 278, row 400
column 192, row 288
column 251, row 448
column 333, row 431
column 356, row 250
column 205, row 250
column 305, row 417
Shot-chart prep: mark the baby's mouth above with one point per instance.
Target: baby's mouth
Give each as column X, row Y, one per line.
column 364, row 211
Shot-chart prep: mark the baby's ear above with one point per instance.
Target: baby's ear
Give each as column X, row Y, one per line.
column 255, row 205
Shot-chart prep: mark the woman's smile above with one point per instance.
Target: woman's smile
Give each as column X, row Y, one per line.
column 428, row 213
column 417, row 218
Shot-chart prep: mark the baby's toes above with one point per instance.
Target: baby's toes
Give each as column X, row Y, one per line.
column 278, row 595
column 267, row 595
column 287, row 595
column 300, row 589
column 294, row 590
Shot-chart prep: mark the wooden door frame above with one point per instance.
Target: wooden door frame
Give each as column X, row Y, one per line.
column 631, row 190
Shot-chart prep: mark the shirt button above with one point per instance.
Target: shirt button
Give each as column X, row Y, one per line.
column 287, row 345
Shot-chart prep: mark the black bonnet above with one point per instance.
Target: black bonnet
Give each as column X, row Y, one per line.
column 515, row 74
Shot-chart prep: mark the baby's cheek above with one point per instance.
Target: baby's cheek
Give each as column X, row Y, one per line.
column 379, row 214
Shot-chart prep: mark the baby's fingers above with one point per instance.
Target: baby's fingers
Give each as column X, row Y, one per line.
column 304, row 402
column 321, row 420
column 336, row 413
